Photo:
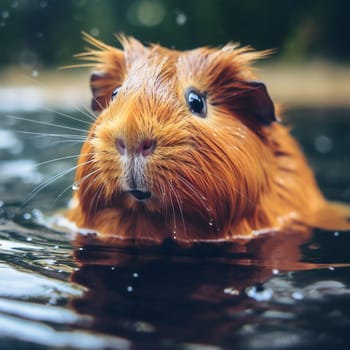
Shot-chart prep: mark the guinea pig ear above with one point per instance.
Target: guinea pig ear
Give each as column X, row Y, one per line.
column 100, row 90
column 257, row 102
column 109, row 65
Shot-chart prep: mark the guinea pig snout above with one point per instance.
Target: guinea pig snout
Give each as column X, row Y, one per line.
column 134, row 177
column 143, row 148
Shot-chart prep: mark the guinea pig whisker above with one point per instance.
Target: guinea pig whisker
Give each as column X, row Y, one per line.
column 97, row 195
column 247, row 90
column 73, row 142
column 99, row 103
column 208, row 173
column 41, row 134
column 67, row 116
column 50, row 181
column 77, row 183
column 161, row 190
column 85, row 111
column 204, row 173
column 180, row 207
column 191, row 188
column 73, row 139
column 200, row 196
column 61, row 158
column 166, row 181
column 97, row 192
column 173, row 208
column 163, row 193
column 178, row 202
column 46, row 123
column 202, row 199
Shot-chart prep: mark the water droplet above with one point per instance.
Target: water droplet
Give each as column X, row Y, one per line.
column 259, row 293
column 231, row 291
column 28, row 59
column 149, row 13
column 314, row 246
column 211, row 222
column 298, row 295
column 112, row 268
column 56, row 247
column 181, row 18
column 27, row 216
column 135, row 275
column 331, row 268
column 346, row 194
column 43, row 4
column 323, row 144
column 29, row 239
column 5, row 14
column 80, row 3
column 336, row 234
column 75, row 187
column 95, row 32
column 275, row 271
column 130, row 289
column 81, row 249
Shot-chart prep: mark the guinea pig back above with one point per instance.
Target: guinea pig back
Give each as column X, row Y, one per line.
column 187, row 146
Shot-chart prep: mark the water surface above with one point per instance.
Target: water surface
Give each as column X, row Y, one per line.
column 60, row 291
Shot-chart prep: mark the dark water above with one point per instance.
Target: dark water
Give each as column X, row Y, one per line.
column 57, row 291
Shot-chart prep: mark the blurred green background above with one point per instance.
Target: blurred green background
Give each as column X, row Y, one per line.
column 46, row 33
column 310, row 66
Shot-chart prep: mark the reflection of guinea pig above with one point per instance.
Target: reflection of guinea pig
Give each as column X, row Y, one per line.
column 187, row 146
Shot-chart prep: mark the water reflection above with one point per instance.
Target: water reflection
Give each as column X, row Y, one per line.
column 203, row 294
column 275, row 292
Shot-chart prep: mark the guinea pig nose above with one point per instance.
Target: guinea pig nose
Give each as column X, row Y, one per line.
column 146, row 147
column 141, row 195
column 121, row 146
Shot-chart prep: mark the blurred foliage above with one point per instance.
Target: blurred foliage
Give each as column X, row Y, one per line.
column 48, row 32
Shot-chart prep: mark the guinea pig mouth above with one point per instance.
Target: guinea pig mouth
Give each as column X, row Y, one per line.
column 140, row 195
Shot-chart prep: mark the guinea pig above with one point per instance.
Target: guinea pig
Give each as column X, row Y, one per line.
column 187, row 145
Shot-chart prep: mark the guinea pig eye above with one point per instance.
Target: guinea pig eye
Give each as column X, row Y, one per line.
column 196, row 103
column 115, row 93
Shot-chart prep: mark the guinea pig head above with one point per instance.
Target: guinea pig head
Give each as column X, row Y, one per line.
column 179, row 135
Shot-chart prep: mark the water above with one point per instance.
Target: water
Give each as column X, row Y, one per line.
column 64, row 291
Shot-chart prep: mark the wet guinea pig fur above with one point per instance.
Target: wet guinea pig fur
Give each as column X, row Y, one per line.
column 187, row 145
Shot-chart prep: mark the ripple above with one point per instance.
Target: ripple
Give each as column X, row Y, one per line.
column 42, row 334
column 26, row 285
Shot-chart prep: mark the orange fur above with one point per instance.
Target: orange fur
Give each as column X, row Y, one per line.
column 218, row 177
